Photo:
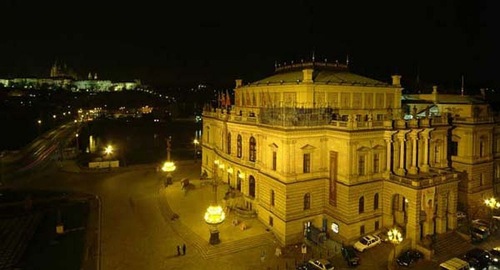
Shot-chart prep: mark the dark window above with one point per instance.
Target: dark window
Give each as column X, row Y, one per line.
column 229, row 143
column 253, row 149
column 274, row 160
column 238, row 147
column 361, row 206
column 362, row 230
column 454, row 148
column 376, row 163
column 377, row 225
column 272, row 197
column 361, row 165
column 307, row 201
column 271, row 221
column 307, row 163
column 375, row 201
column 251, row 186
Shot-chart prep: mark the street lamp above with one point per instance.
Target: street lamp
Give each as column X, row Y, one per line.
column 168, row 166
column 77, row 143
column 215, row 214
column 196, row 142
column 395, row 237
column 108, row 150
column 493, row 204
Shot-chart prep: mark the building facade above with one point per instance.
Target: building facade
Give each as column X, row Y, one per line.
column 317, row 151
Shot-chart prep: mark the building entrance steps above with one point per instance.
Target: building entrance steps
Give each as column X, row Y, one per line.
column 189, row 207
column 449, row 245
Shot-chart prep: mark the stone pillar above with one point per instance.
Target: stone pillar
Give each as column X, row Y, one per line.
column 414, row 138
column 388, row 154
column 425, row 161
column 401, row 136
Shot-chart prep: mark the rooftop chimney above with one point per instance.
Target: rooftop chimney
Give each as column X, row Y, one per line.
column 307, row 75
column 239, row 83
column 396, row 80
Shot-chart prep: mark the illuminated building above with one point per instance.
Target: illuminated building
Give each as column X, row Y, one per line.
column 318, row 151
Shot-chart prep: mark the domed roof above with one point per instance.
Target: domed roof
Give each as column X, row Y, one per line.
column 324, row 73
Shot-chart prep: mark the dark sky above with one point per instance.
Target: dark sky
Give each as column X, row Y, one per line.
column 216, row 42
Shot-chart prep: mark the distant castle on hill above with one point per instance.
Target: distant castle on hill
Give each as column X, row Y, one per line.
column 63, row 77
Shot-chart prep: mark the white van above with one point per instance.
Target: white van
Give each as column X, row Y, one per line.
column 455, row 264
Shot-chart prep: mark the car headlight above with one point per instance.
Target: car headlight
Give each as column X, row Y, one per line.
column 495, row 259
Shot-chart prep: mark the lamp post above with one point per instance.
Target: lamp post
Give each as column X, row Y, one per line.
column 395, row 237
column 168, row 166
column 215, row 214
column 196, row 142
column 108, row 151
column 39, row 126
column 493, row 204
column 77, row 143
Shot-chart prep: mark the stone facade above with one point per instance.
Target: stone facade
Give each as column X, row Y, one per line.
column 315, row 145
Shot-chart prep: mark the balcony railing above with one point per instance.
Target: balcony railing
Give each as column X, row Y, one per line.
column 425, row 180
column 309, row 117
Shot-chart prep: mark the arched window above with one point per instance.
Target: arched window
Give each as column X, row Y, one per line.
column 253, row 150
column 251, row 186
column 307, row 201
column 238, row 147
column 361, row 205
column 272, row 197
column 375, row 201
column 229, row 143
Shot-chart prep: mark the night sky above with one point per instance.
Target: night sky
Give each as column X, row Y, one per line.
column 171, row 43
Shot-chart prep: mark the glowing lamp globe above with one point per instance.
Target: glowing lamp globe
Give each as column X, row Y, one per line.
column 168, row 167
column 214, row 215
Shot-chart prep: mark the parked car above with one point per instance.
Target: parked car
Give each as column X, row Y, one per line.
column 408, row 257
column 480, row 222
column 366, row 242
column 495, row 255
column 321, row 264
column 350, row 255
column 479, row 233
column 483, row 258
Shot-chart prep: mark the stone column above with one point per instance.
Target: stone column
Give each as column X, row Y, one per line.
column 413, row 213
column 425, row 136
column 414, row 137
column 402, row 153
column 441, row 214
column 388, row 154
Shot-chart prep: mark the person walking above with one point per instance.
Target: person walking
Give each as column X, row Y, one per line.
column 178, row 250
column 183, row 249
